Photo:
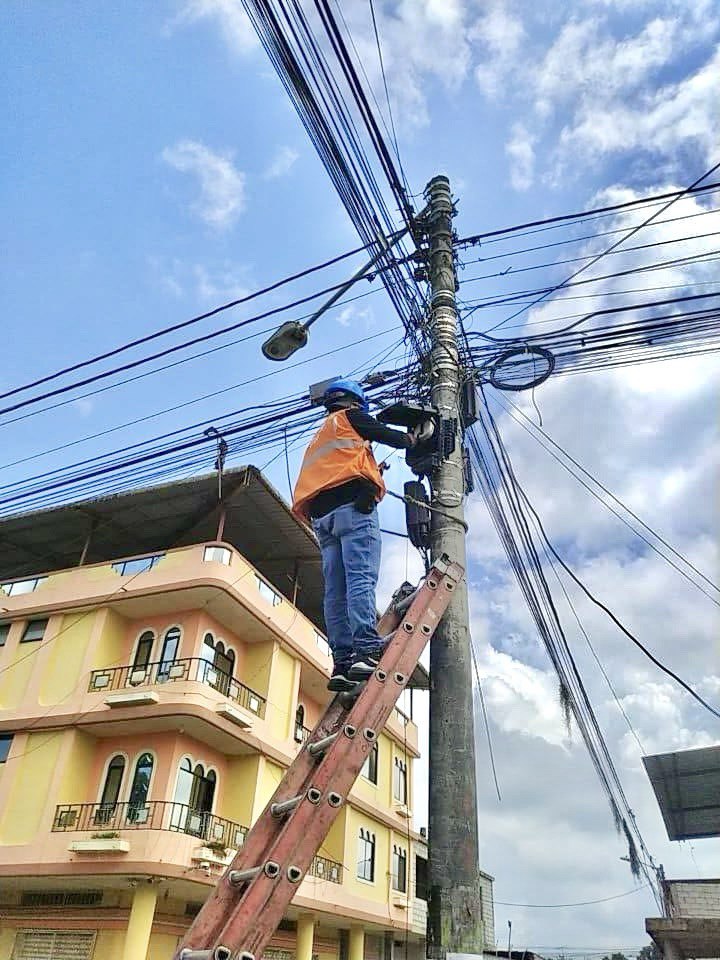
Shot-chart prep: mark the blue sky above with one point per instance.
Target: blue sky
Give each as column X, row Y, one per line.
column 152, row 167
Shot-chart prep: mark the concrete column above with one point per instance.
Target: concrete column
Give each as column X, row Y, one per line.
column 7, row 938
column 305, row 931
column 137, row 938
column 671, row 951
column 357, row 943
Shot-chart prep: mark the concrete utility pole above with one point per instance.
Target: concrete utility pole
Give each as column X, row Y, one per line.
column 455, row 921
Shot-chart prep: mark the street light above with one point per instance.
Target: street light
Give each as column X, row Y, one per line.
column 291, row 336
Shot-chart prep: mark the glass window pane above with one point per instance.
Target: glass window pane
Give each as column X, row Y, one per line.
column 128, row 568
column 144, row 650
column 140, row 784
column 267, row 592
column 217, row 555
column 4, row 631
column 113, row 780
column 169, row 651
column 34, row 630
column 6, row 740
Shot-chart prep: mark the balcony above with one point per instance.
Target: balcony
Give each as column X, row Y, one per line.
column 103, row 820
column 325, row 869
column 153, row 815
column 191, row 668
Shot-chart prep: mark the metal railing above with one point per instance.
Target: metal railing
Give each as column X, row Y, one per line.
column 326, row 869
column 302, row 734
column 103, row 818
column 189, row 668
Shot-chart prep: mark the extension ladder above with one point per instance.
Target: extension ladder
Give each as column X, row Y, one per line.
column 242, row 914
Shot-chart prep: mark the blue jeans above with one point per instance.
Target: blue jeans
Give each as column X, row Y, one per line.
column 350, row 546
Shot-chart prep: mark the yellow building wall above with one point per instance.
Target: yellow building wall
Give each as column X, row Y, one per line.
column 109, row 944
column 162, row 946
column 280, row 699
column 7, row 939
column 333, row 846
column 61, row 674
column 258, row 662
column 238, row 793
column 20, row 819
column 111, row 646
column 77, row 768
column 18, row 664
column 269, row 776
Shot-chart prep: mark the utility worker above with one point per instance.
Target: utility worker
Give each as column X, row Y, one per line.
column 337, row 491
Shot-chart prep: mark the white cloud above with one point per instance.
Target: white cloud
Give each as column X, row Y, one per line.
column 520, row 148
column 282, row 163
column 222, row 185
column 680, row 114
column 226, row 283
column 228, row 14
column 496, row 37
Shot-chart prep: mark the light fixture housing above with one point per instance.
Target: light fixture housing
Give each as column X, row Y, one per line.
column 285, row 341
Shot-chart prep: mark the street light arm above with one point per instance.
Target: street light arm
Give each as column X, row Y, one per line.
column 290, row 336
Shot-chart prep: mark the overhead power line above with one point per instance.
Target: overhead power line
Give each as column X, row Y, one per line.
column 580, row 903
column 553, row 448
column 613, row 246
column 593, row 212
column 133, row 364
column 184, row 323
column 588, row 593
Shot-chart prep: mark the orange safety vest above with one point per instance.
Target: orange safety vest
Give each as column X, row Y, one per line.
column 336, row 454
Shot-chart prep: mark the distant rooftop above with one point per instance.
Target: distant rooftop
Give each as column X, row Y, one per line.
column 687, row 787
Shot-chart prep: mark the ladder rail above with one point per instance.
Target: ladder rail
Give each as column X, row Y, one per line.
column 240, row 918
column 213, row 916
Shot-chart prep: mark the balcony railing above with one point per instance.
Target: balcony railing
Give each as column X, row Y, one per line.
column 152, row 815
column 201, row 671
column 302, row 734
column 326, row 869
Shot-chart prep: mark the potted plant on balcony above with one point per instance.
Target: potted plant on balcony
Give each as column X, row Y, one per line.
column 218, row 848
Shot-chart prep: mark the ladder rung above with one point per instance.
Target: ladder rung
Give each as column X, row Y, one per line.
column 236, row 877
column 285, row 806
column 219, row 953
column 271, row 869
column 320, row 746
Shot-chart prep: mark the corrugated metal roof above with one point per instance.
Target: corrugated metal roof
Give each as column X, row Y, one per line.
column 258, row 524
column 687, row 787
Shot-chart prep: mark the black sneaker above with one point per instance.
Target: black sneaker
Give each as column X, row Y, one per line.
column 340, row 681
column 365, row 664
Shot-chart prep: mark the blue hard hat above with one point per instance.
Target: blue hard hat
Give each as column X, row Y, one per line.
column 342, row 388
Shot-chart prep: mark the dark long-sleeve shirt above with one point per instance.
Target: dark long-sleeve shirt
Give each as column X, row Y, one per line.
column 359, row 491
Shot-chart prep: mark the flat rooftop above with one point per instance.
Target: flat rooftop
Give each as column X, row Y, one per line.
column 687, row 787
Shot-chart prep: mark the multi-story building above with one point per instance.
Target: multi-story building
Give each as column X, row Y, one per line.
column 160, row 665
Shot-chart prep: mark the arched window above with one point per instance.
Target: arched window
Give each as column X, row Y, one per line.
column 194, row 797
column 111, row 789
column 209, row 791
column 219, row 664
column 137, row 809
column 143, row 653
column 181, row 798
column 299, row 734
column 208, row 648
column 169, row 652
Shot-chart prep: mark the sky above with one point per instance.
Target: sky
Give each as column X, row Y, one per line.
column 152, row 167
